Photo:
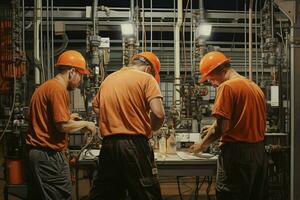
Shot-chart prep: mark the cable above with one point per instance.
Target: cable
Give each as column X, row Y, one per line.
column 89, row 142
column 179, row 190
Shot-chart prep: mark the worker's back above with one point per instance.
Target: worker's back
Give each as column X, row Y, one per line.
column 124, row 102
column 243, row 102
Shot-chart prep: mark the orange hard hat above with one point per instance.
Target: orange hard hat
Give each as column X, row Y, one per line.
column 74, row 59
column 151, row 59
column 209, row 62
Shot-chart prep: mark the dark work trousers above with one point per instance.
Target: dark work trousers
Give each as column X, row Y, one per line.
column 48, row 174
column 242, row 172
column 126, row 163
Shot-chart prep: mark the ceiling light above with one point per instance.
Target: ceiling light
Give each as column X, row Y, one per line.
column 127, row 29
column 203, row 30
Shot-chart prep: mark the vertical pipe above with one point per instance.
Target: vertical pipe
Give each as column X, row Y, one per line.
column 48, row 41
column 191, row 39
column 250, row 39
column 150, row 25
column 256, row 48
column 177, row 54
column 143, row 26
column 95, row 16
column 292, row 173
column 261, row 44
column 131, row 10
column 36, row 41
column 272, row 18
column 23, row 26
column 42, row 45
column 245, row 38
column 52, row 40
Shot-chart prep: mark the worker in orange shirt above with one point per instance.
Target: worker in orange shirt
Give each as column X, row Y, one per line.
column 240, row 112
column 50, row 123
column 129, row 107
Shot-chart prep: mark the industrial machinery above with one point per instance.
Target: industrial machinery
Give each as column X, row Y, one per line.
column 180, row 33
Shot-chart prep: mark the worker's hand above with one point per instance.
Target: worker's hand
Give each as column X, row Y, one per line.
column 91, row 127
column 196, row 148
column 76, row 117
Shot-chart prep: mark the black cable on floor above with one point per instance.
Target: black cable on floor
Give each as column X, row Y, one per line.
column 179, row 190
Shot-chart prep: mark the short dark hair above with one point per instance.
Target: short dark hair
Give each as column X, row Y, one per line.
column 136, row 62
column 61, row 68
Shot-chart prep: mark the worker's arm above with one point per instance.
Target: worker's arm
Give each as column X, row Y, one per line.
column 95, row 103
column 157, row 114
column 73, row 126
column 213, row 133
column 96, row 110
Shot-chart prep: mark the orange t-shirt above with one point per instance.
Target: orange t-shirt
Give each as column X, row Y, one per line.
column 243, row 103
column 49, row 104
column 123, row 102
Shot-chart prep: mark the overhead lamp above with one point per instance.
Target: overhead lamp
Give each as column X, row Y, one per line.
column 128, row 29
column 203, row 30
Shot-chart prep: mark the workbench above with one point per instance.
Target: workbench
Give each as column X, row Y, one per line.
column 168, row 165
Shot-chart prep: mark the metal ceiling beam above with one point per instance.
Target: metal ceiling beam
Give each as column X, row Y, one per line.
column 124, row 13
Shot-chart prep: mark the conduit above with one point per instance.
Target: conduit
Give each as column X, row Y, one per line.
column 177, row 55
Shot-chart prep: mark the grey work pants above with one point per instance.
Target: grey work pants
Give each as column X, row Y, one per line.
column 48, row 175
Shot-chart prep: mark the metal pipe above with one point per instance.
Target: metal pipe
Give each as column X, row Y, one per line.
column 150, row 25
column 261, row 44
column 36, row 41
column 292, row 173
column 23, row 26
column 250, row 39
column 201, row 10
column 256, row 50
column 191, row 39
column 245, row 38
column 48, row 41
column 143, row 27
column 272, row 18
column 95, row 16
column 177, row 54
column 42, row 46
column 131, row 10
column 52, row 40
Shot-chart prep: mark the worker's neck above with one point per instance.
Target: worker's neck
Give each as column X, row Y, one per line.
column 140, row 68
column 63, row 79
column 231, row 74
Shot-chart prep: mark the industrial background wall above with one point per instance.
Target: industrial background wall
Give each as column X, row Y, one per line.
column 260, row 36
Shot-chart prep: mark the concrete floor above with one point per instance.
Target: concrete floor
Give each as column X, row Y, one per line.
column 168, row 186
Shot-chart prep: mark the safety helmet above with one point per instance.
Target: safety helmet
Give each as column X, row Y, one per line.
column 149, row 58
column 74, row 59
column 209, row 62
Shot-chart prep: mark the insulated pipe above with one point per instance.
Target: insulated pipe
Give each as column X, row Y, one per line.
column 250, row 39
column 36, row 41
column 177, row 54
